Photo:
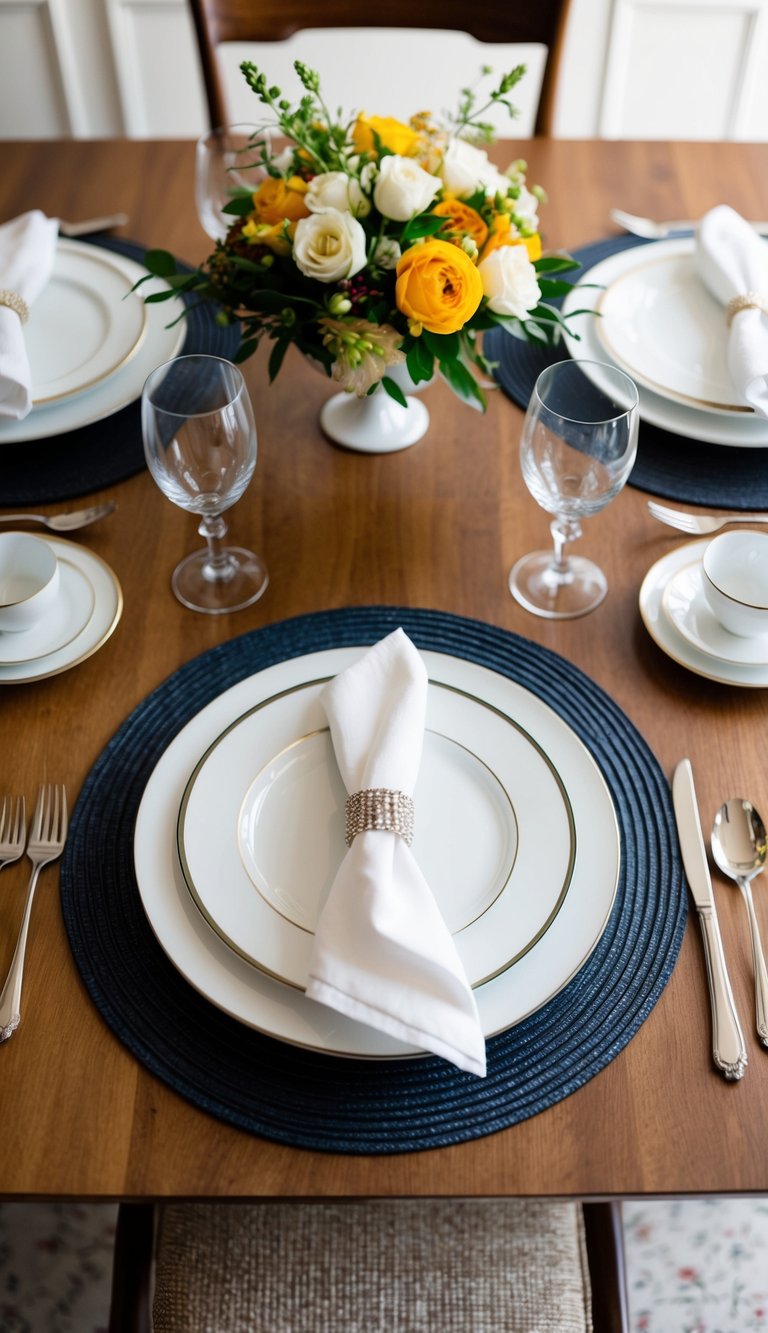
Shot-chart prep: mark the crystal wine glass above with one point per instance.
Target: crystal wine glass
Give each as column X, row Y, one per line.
column 577, row 448
column 200, row 445
column 225, row 162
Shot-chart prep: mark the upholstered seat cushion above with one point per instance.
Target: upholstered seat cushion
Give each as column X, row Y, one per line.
column 377, row 1266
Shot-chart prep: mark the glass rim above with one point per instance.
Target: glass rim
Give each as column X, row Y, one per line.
column 146, row 393
column 578, row 365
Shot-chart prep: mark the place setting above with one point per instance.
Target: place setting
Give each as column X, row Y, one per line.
column 74, row 354
column 685, row 318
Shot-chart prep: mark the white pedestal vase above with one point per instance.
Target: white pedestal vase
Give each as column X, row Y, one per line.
column 377, row 424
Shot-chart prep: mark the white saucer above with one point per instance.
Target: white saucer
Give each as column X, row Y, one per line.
column 685, row 603
column 99, row 625
column 668, row 637
column 68, row 618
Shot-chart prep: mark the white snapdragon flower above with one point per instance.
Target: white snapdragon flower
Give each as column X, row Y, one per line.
column 527, row 208
column 335, row 189
column 387, row 252
column 509, row 281
column 403, row 188
column 329, row 246
column 465, row 169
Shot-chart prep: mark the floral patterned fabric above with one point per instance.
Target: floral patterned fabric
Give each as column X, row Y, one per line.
column 693, row 1266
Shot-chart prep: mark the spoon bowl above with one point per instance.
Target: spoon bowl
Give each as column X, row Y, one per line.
column 739, row 848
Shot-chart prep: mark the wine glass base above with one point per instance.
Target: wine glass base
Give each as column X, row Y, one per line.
column 537, row 585
column 243, row 583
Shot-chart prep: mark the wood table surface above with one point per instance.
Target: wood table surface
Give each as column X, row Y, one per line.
column 438, row 526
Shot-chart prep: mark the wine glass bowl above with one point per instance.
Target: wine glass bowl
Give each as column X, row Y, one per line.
column 577, row 448
column 226, row 162
column 200, row 445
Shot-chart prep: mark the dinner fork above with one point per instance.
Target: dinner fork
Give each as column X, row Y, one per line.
column 650, row 230
column 13, row 829
column 47, row 836
column 699, row 524
column 67, row 522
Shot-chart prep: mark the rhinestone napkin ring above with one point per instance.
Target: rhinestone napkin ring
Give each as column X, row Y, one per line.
column 379, row 808
column 14, row 302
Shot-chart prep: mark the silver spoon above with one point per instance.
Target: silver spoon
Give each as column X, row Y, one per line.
column 68, row 522
column 739, row 848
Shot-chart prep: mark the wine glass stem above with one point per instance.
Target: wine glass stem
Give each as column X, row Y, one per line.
column 564, row 530
column 219, row 566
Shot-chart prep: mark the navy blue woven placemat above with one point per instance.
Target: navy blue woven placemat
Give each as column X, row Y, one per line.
column 324, row 1102
column 690, row 471
column 105, row 452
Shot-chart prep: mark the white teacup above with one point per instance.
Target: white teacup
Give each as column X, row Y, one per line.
column 735, row 580
column 29, row 580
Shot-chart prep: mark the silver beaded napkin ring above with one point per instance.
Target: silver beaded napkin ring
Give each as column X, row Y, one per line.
column 379, row 808
column 14, row 302
column 747, row 301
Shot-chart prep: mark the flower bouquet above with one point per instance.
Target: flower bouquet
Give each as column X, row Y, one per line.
column 371, row 244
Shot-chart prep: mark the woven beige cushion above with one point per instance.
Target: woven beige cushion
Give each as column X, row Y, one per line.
column 378, row 1266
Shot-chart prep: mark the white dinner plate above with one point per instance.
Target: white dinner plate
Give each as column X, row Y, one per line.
column 124, row 385
column 261, row 831
column 84, row 325
column 106, row 612
column 741, row 430
column 253, row 997
column 686, row 605
column 668, row 636
column 67, row 618
column 661, row 324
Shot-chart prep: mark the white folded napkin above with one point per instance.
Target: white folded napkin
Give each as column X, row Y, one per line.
column 27, row 251
column 382, row 951
column 732, row 261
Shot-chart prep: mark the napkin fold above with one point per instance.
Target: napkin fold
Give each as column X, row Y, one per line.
column 27, row 252
column 382, row 952
column 732, row 261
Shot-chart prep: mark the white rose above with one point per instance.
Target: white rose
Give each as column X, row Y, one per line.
column 329, row 246
column 403, row 188
column 465, row 169
column 334, row 189
column 509, row 281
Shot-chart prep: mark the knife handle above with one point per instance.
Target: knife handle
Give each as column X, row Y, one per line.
column 728, row 1049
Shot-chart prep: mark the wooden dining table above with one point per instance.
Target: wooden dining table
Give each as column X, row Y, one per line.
column 438, row 526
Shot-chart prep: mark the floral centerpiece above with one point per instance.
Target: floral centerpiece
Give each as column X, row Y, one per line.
column 371, row 243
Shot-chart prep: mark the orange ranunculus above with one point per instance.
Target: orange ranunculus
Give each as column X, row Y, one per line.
column 501, row 234
column 393, row 134
column 438, row 286
column 277, row 199
column 461, row 220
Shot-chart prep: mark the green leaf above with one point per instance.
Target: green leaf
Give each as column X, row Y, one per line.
column 442, row 345
column 394, row 391
column 239, row 206
column 551, row 287
column 276, row 357
column 555, row 264
column 463, row 383
column 419, row 361
column 424, row 224
column 246, row 349
column 160, row 262
column 156, row 297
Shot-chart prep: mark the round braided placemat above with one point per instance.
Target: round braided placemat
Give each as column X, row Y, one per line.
column 367, row 1106
column 691, row 471
column 105, row 452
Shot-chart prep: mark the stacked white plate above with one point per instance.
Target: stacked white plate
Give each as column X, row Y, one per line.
column 241, row 829
column 92, row 341
column 651, row 315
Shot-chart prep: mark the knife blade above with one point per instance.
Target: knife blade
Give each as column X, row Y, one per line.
column 728, row 1050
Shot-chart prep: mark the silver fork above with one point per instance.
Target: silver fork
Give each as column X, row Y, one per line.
column 13, row 829
column 699, row 524
column 47, row 836
column 66, row 522
column 650, row 230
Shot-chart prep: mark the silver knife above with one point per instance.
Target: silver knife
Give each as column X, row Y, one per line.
column 728, row 1049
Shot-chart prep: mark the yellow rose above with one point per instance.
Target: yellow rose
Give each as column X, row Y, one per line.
column 437, row 286
column 393, row 134
column 461, row 220
column 277, row 199
column 501, row 234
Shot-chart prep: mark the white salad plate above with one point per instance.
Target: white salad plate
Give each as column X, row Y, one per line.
column 664, row 630
column 261, row 831
column 67, row 618
column 124, row 384
column 661, row 324
column 745, row 430
column 687, row 607
column 84, row 325
column 252, row 996
column 95, row 628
